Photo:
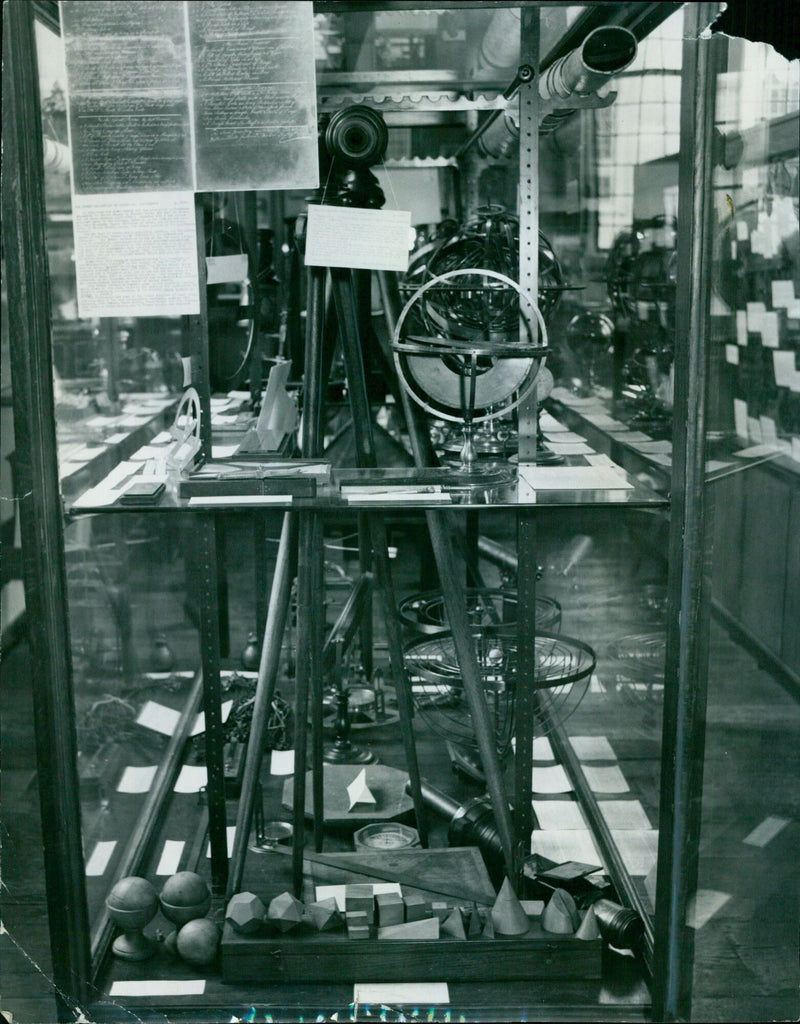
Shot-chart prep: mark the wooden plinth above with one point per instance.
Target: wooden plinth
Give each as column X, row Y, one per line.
column 335, row 958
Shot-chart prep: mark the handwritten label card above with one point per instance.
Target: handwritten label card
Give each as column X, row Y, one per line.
column 786, row 374
column 360, row 239
column 755, row 312
column 741, row 328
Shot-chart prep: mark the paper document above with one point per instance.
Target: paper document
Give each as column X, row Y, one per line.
column 340, row 236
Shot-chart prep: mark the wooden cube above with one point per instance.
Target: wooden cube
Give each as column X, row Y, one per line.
column 390, row 908
column 417, row 907
column 357, row 924
column 360, row 898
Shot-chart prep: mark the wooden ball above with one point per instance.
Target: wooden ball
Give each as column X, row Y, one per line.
column 198, row 941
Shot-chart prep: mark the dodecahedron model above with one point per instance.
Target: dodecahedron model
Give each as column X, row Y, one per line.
column 245, row 913
column 285, row 911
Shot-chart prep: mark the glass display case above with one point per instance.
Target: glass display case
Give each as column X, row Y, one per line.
column 449, row 595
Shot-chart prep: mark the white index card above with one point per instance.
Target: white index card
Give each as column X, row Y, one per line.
column 769, row 432
column 192, row 778
column 754, row 429
column 226, row 269
column 550, row 779
column 137, row 779
column 741, row 328
column 542, row 749
column 554, row 815
column 783, row 294
column 421, row 993
column 755, row 314
column 573, row 478
column 627, row 814
column 592, row 748
column 136, row 254
column 704, row 905
column 740, row 415
column 159, row 718
column 570, row 448
column 766, row 831
column 200, row 722
column 342, row 236
column 758, row 451
column 282, row 762
column 101, row 855
column 786, row 373
column 566, row 844
column 170, row 857
column 770, row 330
column 638, row 848
column 605, row 780
column 159, row 987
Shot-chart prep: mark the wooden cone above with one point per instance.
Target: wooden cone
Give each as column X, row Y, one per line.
column 560, row 916
column 508, row 917
column 588, row 929
column 453, row 925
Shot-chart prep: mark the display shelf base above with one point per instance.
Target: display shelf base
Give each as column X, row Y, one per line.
column 336, row 958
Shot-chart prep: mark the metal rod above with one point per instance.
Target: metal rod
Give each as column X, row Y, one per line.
column 463, row 643
column 309, row 590
column 442, row 544
column 212, row 694
column 132, row 861
column 609, row 850
column 317, row 367
column 317, row 639
column 277, row 612
column 526, row 693
column 365, row 454
column 305, row 614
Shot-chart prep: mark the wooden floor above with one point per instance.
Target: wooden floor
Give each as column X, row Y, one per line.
column 747, row 923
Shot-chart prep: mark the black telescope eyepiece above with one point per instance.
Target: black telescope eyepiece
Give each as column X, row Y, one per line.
column 357, row 135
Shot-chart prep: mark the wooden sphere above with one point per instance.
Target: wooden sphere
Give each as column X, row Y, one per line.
column 133, row 902
column 185, row 896
column 198, row 941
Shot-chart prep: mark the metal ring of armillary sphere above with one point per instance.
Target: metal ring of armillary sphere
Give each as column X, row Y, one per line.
column 486, row 606
column 563, row 667
column 466, row 345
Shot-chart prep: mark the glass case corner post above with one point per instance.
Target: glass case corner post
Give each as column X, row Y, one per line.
column 685, row 677
column 24, row 243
